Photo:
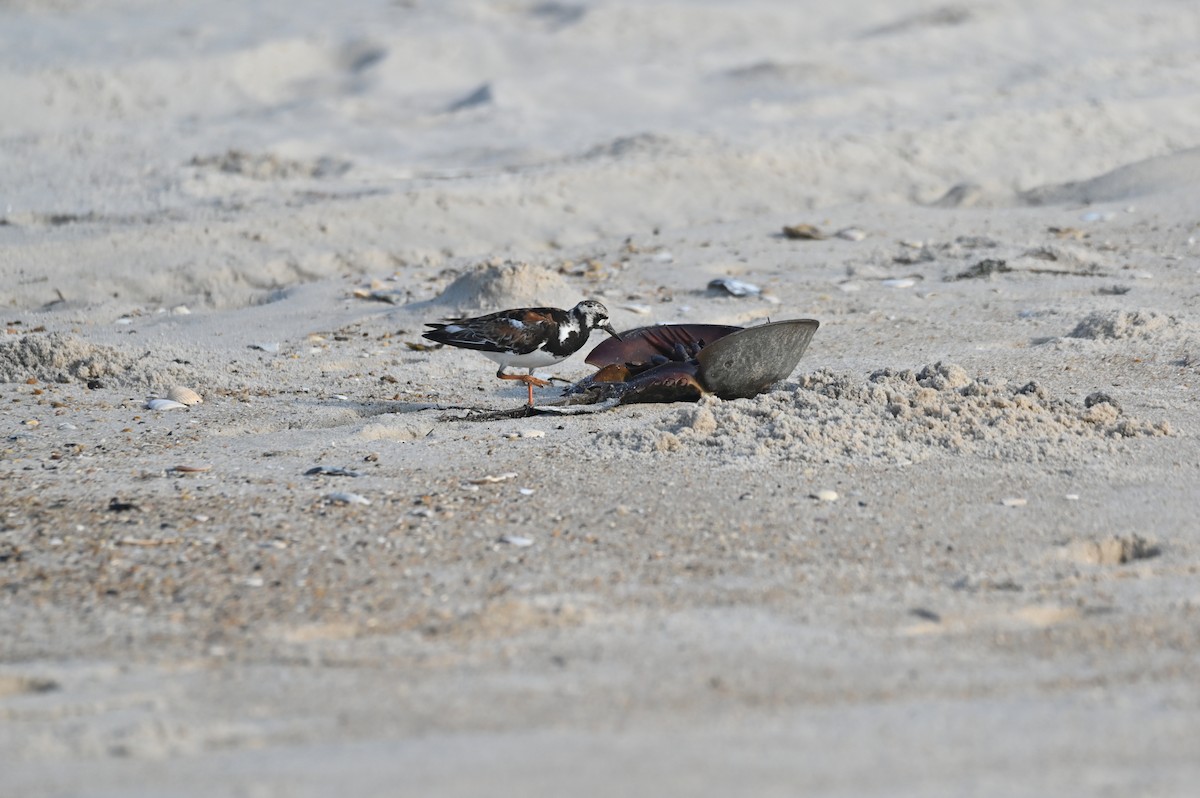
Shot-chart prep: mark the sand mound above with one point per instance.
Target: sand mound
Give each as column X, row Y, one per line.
column 496, row 286
column 1180, row 170
column 892, row 417
column 1112, row 324
column 64, row 358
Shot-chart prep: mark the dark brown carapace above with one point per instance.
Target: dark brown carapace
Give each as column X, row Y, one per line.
column 682, row 362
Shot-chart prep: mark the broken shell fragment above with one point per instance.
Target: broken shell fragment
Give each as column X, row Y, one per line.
column 185, row 396
column 734, row 287
column 525, row 433
column 491, row 479
column 803, row 232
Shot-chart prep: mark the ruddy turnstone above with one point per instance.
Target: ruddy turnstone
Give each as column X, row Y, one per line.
column 528, row 338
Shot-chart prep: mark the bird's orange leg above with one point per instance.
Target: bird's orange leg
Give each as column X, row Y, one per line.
column 528, row 379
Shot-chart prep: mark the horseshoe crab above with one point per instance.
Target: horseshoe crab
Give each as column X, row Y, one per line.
column 682, row 362
column 678, row 363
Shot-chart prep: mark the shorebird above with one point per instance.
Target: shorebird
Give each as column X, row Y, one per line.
column 528, row 338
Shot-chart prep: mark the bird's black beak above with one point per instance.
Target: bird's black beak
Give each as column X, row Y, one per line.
column 608, row 328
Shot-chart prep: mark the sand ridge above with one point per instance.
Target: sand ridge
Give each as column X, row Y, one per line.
column 891, row 417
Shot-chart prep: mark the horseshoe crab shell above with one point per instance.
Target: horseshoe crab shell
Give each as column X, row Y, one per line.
column 644, row 344
column 747, row 362
column 681, row 362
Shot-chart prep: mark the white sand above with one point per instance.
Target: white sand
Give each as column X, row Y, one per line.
column 265, row 202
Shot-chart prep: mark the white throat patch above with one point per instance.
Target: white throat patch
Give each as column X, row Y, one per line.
column 564, row 330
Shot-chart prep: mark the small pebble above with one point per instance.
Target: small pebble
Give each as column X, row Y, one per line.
column 1014, row 501
column 1072, row 497
column 331, row 471
column 851, row 234
column 826, row 495
column 516, row 540
column 899, row 282
column 525, row 491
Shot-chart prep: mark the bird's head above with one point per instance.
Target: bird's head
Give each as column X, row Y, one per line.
column 593, row 315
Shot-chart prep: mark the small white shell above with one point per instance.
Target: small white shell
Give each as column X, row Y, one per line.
column 516, row 540
column 165, row 404
column 184, row 395
column 340, row 497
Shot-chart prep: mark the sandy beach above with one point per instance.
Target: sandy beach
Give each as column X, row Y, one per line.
column 955, row 553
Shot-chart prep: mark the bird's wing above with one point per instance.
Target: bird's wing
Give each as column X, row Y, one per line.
column 520, row 331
